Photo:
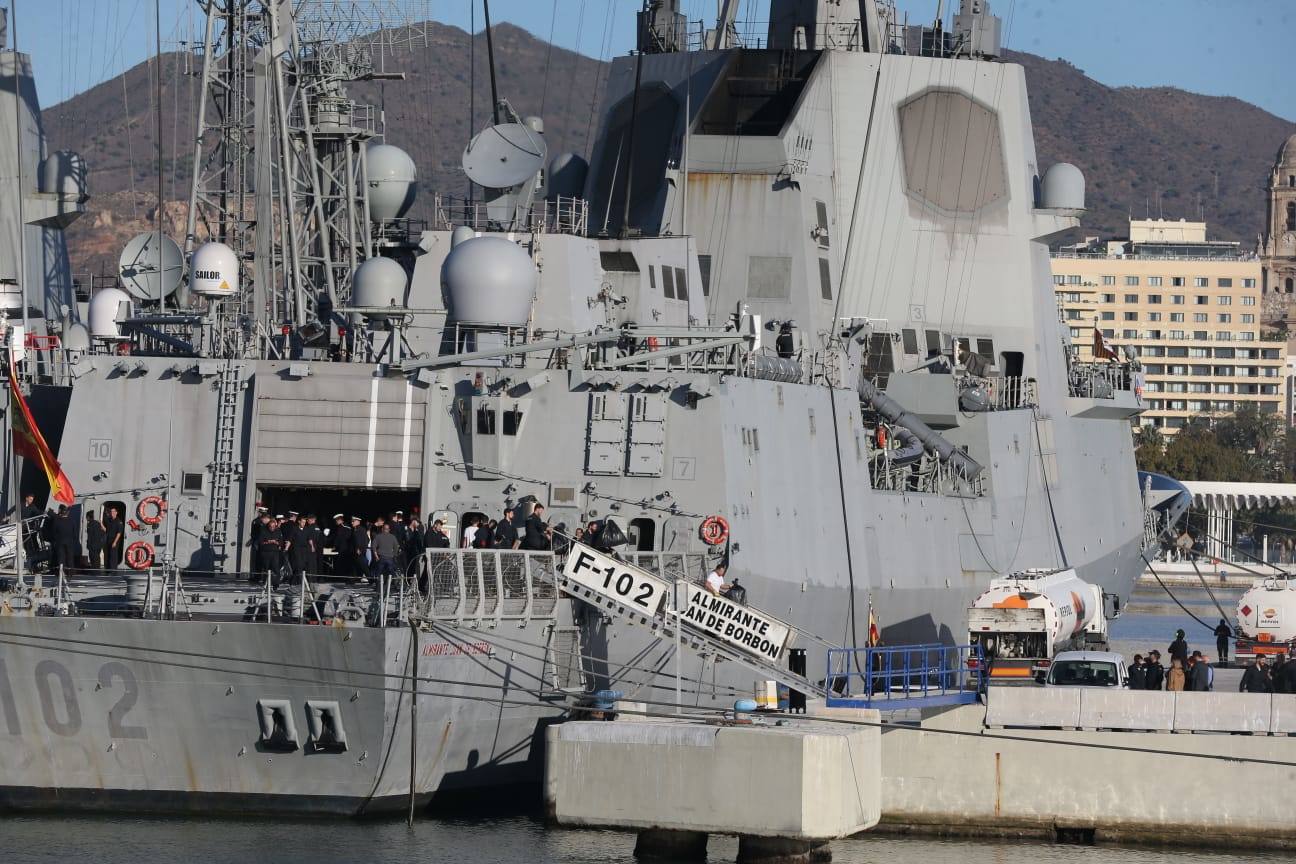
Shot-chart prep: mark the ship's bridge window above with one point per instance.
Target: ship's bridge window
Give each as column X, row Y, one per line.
column 704, row 267
column 668, row 283
column 620, row 262
column 485, row 421
column 512, row 420
column 909, row 338
column 681, row 283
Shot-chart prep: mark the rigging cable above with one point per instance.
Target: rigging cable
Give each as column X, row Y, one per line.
column 1172, row 596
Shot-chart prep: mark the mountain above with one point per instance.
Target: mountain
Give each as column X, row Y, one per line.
column 1158, row 150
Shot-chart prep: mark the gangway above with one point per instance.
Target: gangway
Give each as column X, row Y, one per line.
column 484, row 588
column 903, row 677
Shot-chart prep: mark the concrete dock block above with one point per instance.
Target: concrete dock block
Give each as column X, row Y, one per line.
column 1282, row 714
column 1033, row 706
column 806, row 781
column 1138, row 710
column 1222, row 712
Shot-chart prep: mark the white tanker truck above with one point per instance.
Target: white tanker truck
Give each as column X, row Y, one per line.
column 1266, row 620
column 1024, row 619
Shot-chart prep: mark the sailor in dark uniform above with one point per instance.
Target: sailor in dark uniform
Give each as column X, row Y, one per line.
column 315, row 540
column 292, row 544
column 537, row 533
column 506, row 535
column 359, row 548
column 269, row 549
column 436, row 537
column 340, row 542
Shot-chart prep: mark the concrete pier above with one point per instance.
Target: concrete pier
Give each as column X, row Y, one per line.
column 785, row 790
column 951, row 775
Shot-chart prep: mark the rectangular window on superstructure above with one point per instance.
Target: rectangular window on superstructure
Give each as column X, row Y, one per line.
column 652, row 279
column 821, row 217
column 934, row 344
column 909, row 338
column 704, row 268
column 681, row 283
column 1109, row 280
column 668, row 282
column 825, row 279
column 1154, row 281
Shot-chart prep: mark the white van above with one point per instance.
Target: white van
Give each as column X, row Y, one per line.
column 1087, row 669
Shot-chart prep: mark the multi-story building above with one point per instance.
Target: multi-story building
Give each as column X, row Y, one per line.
column 1189, row 307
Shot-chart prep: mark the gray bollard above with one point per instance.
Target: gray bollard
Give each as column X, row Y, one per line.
column 671, row 845
column 781, row 850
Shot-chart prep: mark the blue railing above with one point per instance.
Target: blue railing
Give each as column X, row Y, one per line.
column 896, row 678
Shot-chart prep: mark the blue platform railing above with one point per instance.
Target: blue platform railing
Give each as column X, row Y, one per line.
column 900, row 677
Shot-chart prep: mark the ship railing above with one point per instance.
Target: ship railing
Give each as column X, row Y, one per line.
column 563, row 215
column 927, row 475
column 1099, row 380
column 679, row 350
column 835, row 35
column 486, row 586
column 672, row 566
column 1008, row 392
column 903, row 677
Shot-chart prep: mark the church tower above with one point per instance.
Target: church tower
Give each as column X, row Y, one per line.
column 1278, row 244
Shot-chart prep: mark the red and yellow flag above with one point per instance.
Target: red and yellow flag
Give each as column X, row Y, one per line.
column 30, row 444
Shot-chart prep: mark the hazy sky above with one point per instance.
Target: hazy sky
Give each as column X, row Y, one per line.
column 1237, row 48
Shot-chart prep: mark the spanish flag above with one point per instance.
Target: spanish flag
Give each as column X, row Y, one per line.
column 30, row 444
column 874, row 634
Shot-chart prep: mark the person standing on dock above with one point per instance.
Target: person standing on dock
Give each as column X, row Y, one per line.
column 1138, row 674
column 1256, row 678
column 1202, row 677
column 1179, row 649
column 1156, row 673
column 1222, row 635
column 1176, row 680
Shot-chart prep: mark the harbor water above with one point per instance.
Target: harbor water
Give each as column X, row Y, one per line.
column 45, row 840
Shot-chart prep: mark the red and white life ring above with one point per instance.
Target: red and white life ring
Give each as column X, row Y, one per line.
column 715, row 530
column 151, row 510
column 139, row 555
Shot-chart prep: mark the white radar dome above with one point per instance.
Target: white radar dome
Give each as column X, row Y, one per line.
column 107, row 309
column 393, row 181
column 379, row 283
column 490, row 280
column 1062, row 188
column 214, row 271
column 76, row 337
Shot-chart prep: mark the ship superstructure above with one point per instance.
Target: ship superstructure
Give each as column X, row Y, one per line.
column 801, row 284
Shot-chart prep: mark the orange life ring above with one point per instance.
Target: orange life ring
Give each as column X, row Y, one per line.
column 139, row 555
column 715, row 530
column 151, row 510
column 653, row 343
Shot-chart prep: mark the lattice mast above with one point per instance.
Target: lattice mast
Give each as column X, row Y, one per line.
column 279, row 160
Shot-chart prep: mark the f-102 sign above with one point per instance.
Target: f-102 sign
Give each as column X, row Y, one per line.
column 626, row 584
column 740, row 626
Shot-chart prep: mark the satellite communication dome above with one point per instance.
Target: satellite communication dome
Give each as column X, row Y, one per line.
column 1062, row 188
column 490, row 280
column 107, row 308
column 460, row 234
column 379, row 283
column 76, row 337
column 64, row 173
column 504, row 156
column 393, row 181
column 567, row 174
column 214, row 271
column 146, row 274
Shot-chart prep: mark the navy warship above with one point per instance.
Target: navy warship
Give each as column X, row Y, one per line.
column 792, row 314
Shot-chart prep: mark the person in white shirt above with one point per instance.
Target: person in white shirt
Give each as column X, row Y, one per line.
column 715, row 580
column 470, row 534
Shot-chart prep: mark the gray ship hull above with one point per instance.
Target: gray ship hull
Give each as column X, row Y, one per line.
column 113, row 714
